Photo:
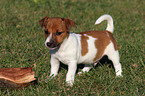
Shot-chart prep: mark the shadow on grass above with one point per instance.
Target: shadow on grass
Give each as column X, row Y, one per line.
column 103, row 61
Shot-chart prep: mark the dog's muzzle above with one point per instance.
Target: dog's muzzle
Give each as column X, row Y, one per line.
column 52, row 45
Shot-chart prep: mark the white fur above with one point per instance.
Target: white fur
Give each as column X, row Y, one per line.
column 69, row 53
column 110, row 26
column 48, row 39
column 114, row 57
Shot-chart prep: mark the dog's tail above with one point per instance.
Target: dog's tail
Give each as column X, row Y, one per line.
column 110, row 26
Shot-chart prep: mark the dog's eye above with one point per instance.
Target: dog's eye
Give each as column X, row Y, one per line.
column 46, row 32
column 58, row 33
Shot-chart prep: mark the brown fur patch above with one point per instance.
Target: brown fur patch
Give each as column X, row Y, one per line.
column 113, row 40
column 84, row 44
column 103, row 39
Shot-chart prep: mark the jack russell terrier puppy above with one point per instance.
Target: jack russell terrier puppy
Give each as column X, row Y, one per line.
column 83, row 48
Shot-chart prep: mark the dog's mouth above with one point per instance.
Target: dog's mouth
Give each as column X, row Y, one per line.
column 52, row 46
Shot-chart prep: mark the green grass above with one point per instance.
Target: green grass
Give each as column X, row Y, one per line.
column 22, row 45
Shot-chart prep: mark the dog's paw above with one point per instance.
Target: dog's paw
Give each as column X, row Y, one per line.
column 119, row 76
column 80, row 73
column 69, row 83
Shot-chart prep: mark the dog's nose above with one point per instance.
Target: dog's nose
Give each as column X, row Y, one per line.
column 49, row 44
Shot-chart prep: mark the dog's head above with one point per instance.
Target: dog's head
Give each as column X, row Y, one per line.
column 56, row 30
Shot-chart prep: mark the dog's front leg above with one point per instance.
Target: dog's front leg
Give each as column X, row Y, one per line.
column 72, row 67
column 54, row 67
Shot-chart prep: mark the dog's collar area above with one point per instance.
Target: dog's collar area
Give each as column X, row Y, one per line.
column 55, row 49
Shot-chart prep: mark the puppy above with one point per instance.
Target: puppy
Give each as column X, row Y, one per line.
column 83, row 48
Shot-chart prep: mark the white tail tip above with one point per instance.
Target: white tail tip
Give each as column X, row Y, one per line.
column 110, row 26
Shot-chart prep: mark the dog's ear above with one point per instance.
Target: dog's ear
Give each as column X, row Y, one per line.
column 68, row 23
column 43, row 21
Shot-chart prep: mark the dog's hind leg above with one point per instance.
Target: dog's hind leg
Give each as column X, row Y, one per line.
column 113, row 55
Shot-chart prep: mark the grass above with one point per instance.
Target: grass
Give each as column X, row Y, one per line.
column 22, row 45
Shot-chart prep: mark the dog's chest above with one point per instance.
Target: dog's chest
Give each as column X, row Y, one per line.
column 68, row 51
column 63, row 57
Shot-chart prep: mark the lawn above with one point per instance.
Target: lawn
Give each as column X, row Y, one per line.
column 22, row 45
